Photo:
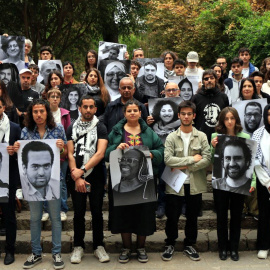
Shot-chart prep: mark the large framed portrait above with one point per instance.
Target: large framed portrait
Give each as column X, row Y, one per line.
column 46, row 67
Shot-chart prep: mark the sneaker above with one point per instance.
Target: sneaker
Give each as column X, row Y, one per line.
column 63, row 216
column 142, row 256
column 191, row 253
column 19, row 194
column 101, row 254
column 57, row 261
column 76, row 255
column 168, row 253
column 124, row 255
column 32, row 260
column 262, row 254
column 160, row 213
column 45, row 216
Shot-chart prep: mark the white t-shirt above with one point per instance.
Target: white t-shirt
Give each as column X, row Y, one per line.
column 57, row 116
column 186, row 139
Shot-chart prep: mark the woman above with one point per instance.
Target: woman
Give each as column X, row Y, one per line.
column 69, row 71
column 168, row 58
column 96, row 88
column 114, row 72
column 229, row 124
column 186, row 89
column 27, row 59
column 222, row 87
column 265, row 67
column 55, row 78
column 91, row 60
column 138, row 219
column 13, row 47
column 247, row 90
column 262, row 169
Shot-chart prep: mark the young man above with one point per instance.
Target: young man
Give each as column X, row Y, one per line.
column 138, row 53
column 193, row 160
column 179, row 67
column 36, row 86
column 87, row 142
column 40, row 124
column 46, row 53
column 221, row 61
column 135, row 68
column 258, row 78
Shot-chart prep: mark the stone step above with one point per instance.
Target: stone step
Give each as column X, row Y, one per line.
column 208, row 221
column 206, row 241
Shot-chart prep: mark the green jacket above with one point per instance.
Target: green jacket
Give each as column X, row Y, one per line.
column 241, row 135
column 174, row 157
column 148, row 136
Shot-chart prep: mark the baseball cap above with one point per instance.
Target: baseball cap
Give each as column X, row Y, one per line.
column 193, row 57
column 24, row 70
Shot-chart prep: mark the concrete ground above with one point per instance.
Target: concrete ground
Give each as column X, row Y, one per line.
column 209, row 261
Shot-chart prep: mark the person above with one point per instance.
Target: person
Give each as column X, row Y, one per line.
column 38, row 87
column 209, row 102
column 27, row 59
column 69, row 71
column 140, row 218
column 179, row 67
column 9, row 73
column 186, row 89
column 87, row 142
column 55, row 78
column 222, row 62
column 262, row 168
column 46, row 53
column 91, row 60
column 113, row 53
column 114, row 110
column 219, row 71
column 168, row 58
column 46, row 68
column 13, row 47
column 252, row 116
column 193, row 159
column 9, row 133
column 229, row 124
column 247, row 90
column 40, row 124
column 138, row 53
column 135, row 68
column 265, row 67
column 114, row 72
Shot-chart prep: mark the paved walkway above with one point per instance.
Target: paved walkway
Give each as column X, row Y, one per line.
column 209, row 261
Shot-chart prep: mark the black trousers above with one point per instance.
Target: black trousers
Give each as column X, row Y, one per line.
column 263, row 233
column 8, row 210
column 225, row 200
column 173, row 210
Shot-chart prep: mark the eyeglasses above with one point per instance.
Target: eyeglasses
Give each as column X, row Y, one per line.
column 209, row 78
column 184, row 114
column 55, row 97
column 117, row 74
column 255, row 115
column 127, row 160
column 126, row 87
column 171, row 90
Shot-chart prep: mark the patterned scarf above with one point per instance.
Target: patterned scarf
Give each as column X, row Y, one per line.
column 92, row 89
column 4, row 129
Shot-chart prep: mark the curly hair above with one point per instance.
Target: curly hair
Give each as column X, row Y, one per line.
column 29, row 120
column 87, row 65
column 49, row 86
column 7, row 40
column 255, row 95
column 158, row 106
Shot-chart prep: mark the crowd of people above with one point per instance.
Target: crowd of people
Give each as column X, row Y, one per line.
column 88, row 127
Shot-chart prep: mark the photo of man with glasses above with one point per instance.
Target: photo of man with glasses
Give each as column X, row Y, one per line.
column 252, row 116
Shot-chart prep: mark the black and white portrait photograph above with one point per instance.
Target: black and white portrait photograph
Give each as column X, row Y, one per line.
column 46, row 67
column 150, row 79
column 9, row 72
column 112, row 72
column 39, row 167
column 165, row 114
column 186, row 89
column 234, row 164
column 250, row 112
column 132, row 176
column 13, row 50
column 4, row 173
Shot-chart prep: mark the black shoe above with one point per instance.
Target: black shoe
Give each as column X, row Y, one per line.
column 168, row 253
column 191, row 253
column 234, row 255
column 223, row 255
column 57, row 261
column 9, row 259
column 124, row 255
column 142, row 256
column 32, row 260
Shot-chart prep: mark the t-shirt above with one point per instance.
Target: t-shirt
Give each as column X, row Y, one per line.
column 186, row 139
column 29, row 96
column 73, row 115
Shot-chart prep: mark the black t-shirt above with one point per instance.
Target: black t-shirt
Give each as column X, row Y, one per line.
column 73, row 115
column 29, row 96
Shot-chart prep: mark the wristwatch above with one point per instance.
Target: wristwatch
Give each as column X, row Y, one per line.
column 83, row 168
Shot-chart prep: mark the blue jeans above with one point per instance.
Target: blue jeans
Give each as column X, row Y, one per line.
column 35, row 225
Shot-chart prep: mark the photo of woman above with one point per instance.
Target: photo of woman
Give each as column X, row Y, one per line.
column 186, row 89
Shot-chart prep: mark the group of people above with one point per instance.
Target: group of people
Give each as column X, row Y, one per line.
column 93, row 126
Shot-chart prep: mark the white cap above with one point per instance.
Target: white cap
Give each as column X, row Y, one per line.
column 193, row 57
column 24, row 70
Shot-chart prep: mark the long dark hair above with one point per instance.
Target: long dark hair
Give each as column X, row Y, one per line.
column 72, row 88
column 255, row 95
column 49, row 86
column 220, row 85
column 87, row 65
column 5, row 96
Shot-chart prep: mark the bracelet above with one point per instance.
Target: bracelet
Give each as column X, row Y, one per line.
column 62, row 151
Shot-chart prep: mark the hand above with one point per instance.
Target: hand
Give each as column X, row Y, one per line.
column 252, row 189
column 214, row 142
column 10, row 150
column 179, row 168
column 16, row 146
column 151, row 155
column 197, row 157
column 131, row 77
column 80, row 185
column 150, row 120
column 123, row 146
column 126, row 56
column 269, row 189
column 76, row 173
column 60, row 144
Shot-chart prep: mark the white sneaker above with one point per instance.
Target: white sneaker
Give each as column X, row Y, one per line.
column 19, row 194
column 45, row 216
column 76, row 255
column 262, row 254
column 101, row 254
column 63, row 216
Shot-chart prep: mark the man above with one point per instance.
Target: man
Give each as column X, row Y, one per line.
column 87, row 142
column 46, row 53
column 236, row 159
column 221, row 61
column 193, row 159
column 135, row 68
column 252, row 116
column 209, row 103
column 37, row 162
column 149, row 85
column 39, row 124
column 9, row 72
column 114, row 110
column 5, row 75
column 179, row 67
column 36, row 86
column 46, row 68
column 113, row 53
column 138, row 53
column 10, row 133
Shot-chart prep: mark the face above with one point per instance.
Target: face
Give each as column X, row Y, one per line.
column 126, row 89
column 222, row 62
column 46, row 69
column 73, row 97
column 179, row 70
column 91, row 58
column 258, row 82
column 2, row 108
column 252, row 118
column 34, row 74
column 27, row 48
column 39, row 113
column 218, row 71
column 25, row 79
column 55, row 80
column 113, row 54
column 245, row 56
column 39, row 168
column 192, row 64
column 209, row 81
column 268, row 65
column 168, row 61
column 46, row 55
column 150, row 72
column 13, row 48
column 186, row 91
column 132, row 113
column 88, row 109
column 113, row 77
column 247, row 90
column 236, row 69
column 234, row 162
column 134, row 70
column 186, row 116
column 54, row 99
column 129, row 165
column 229, row 121
column 166, row 113
column 68, row 70
column 172, row 90
column 138, row 54
column 92, row 78
column 5, row 75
